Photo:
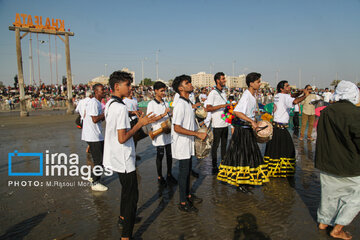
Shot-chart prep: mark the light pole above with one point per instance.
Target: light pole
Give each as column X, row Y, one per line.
column 157, row 64
column 233, row 73
column 142, row 68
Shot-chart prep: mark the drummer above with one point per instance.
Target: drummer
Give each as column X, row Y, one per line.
column 162, row 142
column 216, row 104
column 183, row 133
column 243, row 164
column 280, row 150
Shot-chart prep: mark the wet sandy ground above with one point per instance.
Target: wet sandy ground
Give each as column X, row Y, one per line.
column 279, row 210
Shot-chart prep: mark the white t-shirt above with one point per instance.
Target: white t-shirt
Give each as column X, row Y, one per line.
column 215, row 99
column 91, row 132
column 202, row 96
column 282, row 105
column 132, row 105
column 192, row 98
column 159, row 108
column 207, row 120
column 177, row 96
column 118, row 157
column 247, row 105
column 182, row 146
column 80, row 108
column 176, row 99
column 327, row 96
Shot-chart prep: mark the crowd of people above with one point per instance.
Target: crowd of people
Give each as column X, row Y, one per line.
column 173, row 133
column 55, row 95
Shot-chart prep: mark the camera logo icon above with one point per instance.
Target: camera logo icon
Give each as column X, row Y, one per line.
column 17, row 154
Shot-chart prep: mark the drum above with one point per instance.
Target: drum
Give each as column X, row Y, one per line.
column 202, row 148
column 264, row 131
column 164, row 128
column 140, row 134
column 201, row 113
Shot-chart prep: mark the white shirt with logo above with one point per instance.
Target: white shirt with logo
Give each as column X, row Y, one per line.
column 182, row 146
column 247, row 105
column 92, row 132
column 282, row 105
column 118, row 157
column 158, row 108
column 216, row 98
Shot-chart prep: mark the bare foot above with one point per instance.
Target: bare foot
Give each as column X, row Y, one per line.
column 341, row 234
column 323, row 226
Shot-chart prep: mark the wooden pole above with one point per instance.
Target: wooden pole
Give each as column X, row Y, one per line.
column 23, row 111
column 70, row 109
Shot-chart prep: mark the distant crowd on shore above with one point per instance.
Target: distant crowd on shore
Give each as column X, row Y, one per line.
column 55, row 96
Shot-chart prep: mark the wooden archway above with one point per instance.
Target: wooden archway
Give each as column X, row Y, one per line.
column 26, row 25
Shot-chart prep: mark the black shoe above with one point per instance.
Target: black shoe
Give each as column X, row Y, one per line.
column 215, row 170
column 194, row 174
column 171, row 179
column 194, row 199
column 161, row 181
column 138, row 158
column 121, row 221
column 187, row 207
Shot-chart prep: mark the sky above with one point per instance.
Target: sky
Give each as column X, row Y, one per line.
column 281, row 39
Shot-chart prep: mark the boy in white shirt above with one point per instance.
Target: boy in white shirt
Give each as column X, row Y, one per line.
column 216, row 105
column 162, row 141
column 119, row 149
column 132, row 106
column 327, row 96
column 280, row 150
column 194, row 106
column 183, row 132
column 92, row 133
column 203, row 95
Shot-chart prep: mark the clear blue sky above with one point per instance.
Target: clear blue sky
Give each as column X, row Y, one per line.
column 320, row 37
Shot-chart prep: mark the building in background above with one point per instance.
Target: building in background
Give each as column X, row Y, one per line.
column 131, row 72
column 101, row 79
column 236, row 81
column 264, row 84
column 202, row 79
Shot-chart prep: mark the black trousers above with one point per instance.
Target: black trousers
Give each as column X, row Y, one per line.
column 184, row 178
column 296, row 120
column 160, row 155
column 219, row 134
column 97, row 152
column 128, row 203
